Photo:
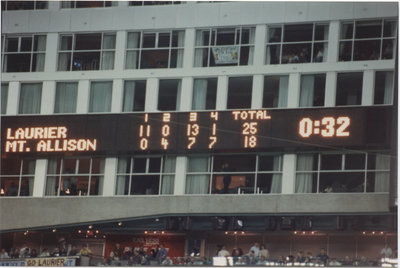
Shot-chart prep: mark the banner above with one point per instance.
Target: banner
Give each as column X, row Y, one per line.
column 225, row 55
column 12, row 263
column 51, row 261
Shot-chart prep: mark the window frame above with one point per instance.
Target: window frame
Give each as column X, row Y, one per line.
column 36, row 5
column 20, row 177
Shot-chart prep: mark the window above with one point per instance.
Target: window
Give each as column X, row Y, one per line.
column 4, row 97
column 169, row 95
column 367, row 40
column 349, row 88
column 23, row 5
column 275, row 91
column 24, row 53
column 147, row 50
column 234, row 174
column 75, row 176
column 83, row 52
column 100, row 97
column 16, row 177
column 297, row 43
column 154, row 3
column 30, row 98
column 338, row 173
column 239, row 92
column 204, row 94
column 145, row 175
column 224, row 47
column 383, row 88
column 134, row 96
column 312, row 91
column 87, row 4
column 66, row 97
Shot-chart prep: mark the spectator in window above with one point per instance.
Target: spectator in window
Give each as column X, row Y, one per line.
column 388, row 51
column 261, row 260
column 116, row 254
column 320, row 55
column 4, row 254
column 347, row 261
column 322, row 257
column 162, row 254
column 15, row 253
column 167, row 261
column 252, row 258
column 74, row 251
column 45, row 253
column 56, row 252
column 263, row 252
column 227, row 177
column 334, row 262
column 223, row 252
column 127, row 253
column 85, row 251
column 34, row 253
column 309, row 258
column 255, row 248
column 154, row 251
column 12, row 190
column 386, row 252
column 300, row 257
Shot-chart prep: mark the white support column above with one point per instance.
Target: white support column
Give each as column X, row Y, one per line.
column 186, row 94
column 151, row 95
column 288, row 173
column 51, row 52
column 188, row 53
column 82, row 105
column 13, row 98
column 258, row 91
column 368, row 88
column 330, row 89
column 333, row 41
column 120, row 50
column 54, row 5
column 180, row 175
column 117, row 96
column 260, row 41
column 40, row 178
column 48, row 97
column 109, row 181
column 293, row 90
column 222, row 92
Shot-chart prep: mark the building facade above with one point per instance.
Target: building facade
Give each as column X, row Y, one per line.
column 197, row 124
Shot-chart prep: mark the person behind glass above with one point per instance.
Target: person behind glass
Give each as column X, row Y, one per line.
column 73, row 252
column 347, row 261
column 153, row 252
column 300, row 257
column 34, row 253
column 161, row 254
column 386, row 252
column 236, row 254
column 12, row 190
column 4, row 254
column 25, row 253
column 223, row 252
column 263, row 252
column 256, row 249
column 45, row 253
column 227, row 177
column 273, row 49
column 322, row 257
column 116, row 253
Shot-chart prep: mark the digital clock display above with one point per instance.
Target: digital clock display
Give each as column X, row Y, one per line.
column 186, row 132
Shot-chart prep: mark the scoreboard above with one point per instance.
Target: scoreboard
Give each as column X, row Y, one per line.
column 198, row 132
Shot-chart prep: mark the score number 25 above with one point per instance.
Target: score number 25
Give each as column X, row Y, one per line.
column 326, row 127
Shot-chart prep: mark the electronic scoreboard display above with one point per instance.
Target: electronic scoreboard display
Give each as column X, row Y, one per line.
column 198, row 132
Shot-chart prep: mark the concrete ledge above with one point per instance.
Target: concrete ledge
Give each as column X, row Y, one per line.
column 19, row 213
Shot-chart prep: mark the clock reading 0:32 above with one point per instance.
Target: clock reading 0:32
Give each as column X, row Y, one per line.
column 326, row 127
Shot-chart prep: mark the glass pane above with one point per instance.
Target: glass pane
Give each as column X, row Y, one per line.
column 84, row 166
column 10, row 186
column 274, row 34
column 10, row 166
column 387, row 51
column 26, row 44
column 82, row 185
column 366, row 50
column 26, row 187
column 269, row 183
column 354, row 161
column 239, row 92
column 28, row 167
column 269, row 163
column 345, row 51
column 335, row 182
column 95, row 185
column 349, row 88
column 86, row 61
column 233, row 184
column 4, row 98
column 234, row 163
column 145, row 185
column 18, row 62
column 69, row 166
column 163, row 39
column 52, row 186
column 296, row 53
column 331, row 162
column 319, row 53
column 122, row 187
column 133, row 40
column 368, row 29
column 225, row 37
column 154, row 165
column 389, row 29
column 66, row 42
column 321, row 32
column 154, row 59
column 168, row 94
column 139, row 165
column 11, row 45
column 124, row 164
column 295, row 33
column 378, row 181
column 109, row 41
column 383, row 88
column 149, row 40
column 198, row 164
column 87, row 41
column 346, row 31
column 64, row 61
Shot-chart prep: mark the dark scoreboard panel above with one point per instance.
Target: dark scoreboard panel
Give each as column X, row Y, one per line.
column 198, row 132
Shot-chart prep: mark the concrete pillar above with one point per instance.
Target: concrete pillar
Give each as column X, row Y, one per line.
column 180, row 175
column 260, row 42
column 258, row 91
column 186, row 94
column 333, row 41
column 51, row 52
column 120, row 47
column 368, row 88
column 117, row 95
column 48, row 97
column 82, row 104
column 222, row 92
column 110, row 170
column 293, row 90
column 188, row 53
column 40, row 178
column 13, row 98
column 288, row 173
column 151, row 95
column 330, row 89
